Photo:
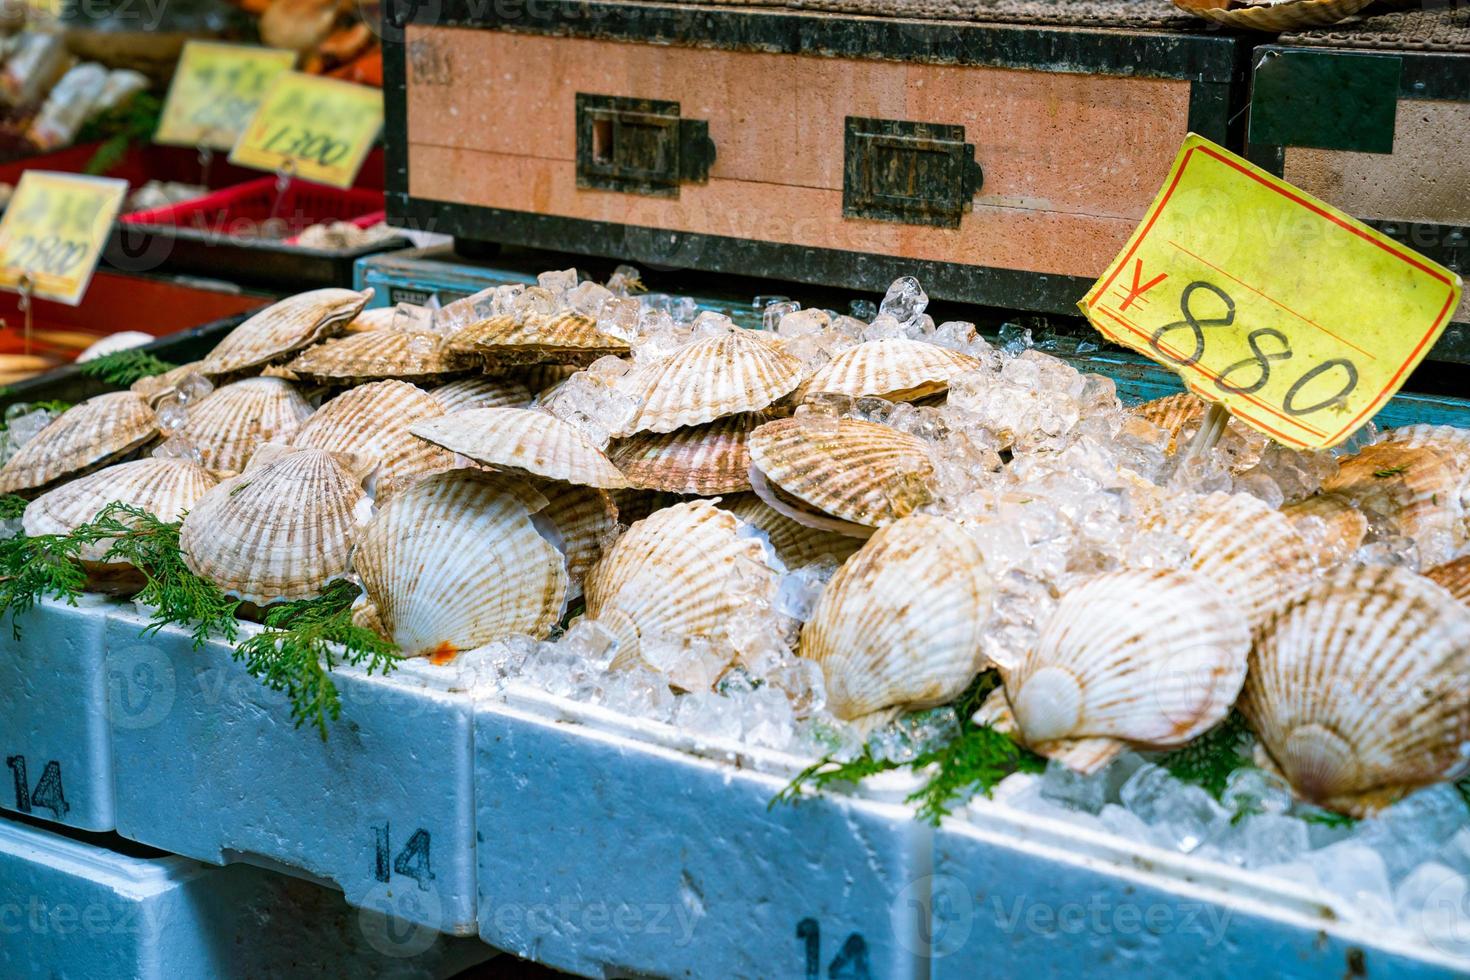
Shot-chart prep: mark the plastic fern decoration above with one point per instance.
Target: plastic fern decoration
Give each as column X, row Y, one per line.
column 123, row 367
column 304, row 642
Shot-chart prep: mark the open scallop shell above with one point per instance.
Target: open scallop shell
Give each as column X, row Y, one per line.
column 561, row 338
column 1357, row 689
column 235, row 420
column 795, row 544
column 457, row 396
column 1244, row 546
column 165, row 488
column 1416, row 488
column 1453, row 577
column 404, row 316
column 703, row 459
column 685, row 571
column 157, row 387
column 374, row 421
column 523, row 440
column 898, row 369
column 1150, row 658
column 900, row 623
column 1331, row 520
column 708, row 379
column 283, row 529
column 293, row 323
column 455, row 562
column 400, row 354
column 98, row 430
column 585, row 519
column 1274, row 18
column 863, row 474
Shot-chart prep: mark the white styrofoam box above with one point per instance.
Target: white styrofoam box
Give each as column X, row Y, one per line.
column 54, row 737
column 1017, row 893
column 613, row 847
column 77, row 908
column 215, row 770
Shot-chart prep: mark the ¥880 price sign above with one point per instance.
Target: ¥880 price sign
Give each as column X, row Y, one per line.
column 314, row 128
column 53, row 232
column 1297, row 318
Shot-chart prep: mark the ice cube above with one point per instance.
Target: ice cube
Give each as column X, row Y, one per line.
column 1355, row 872
column 1262, row 839
column 1185, row 816
column 193, row 388
column 1250, row 790
column 591, row 642
column 625, row 279
column 1066, row 786
column 768, row 718
column 904, row 301
column 1433, row 902
column 710, row 715
column 557, row 282
column 800, row 323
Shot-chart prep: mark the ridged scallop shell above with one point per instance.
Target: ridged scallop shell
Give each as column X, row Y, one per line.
column 374, row 421
column 1151, row 658
column 1453, row 577
column 1332, row 520
column 585, row 519
column 795, row 544
column 1420, row 490
column 562, row 338
column 685, row 571
column 523, row 440
column 165, row 488
column 1181, row 416
column 455, row 562
column 84, row 436
column 399, row 354
column 283, row 529
column 1245, row 547
column 404, row 316
column 1357, row 689
column 293, row 323
column 898, row 369
column 235, row 420
column 862, row 473
column 466, row 393
column 709, row 379
column 703, row 459
column 900, row 623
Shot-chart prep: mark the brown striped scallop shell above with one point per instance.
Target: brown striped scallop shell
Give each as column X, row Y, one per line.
column 235, row 420
column 374, row 421
column 704, row 460
column 456, row 396
column 404, row 316
column 1357, row 688
column 585, row 519
column 87, row 435
column 898, row 369
column 795, row 544
column 523, row 440
column 1417, row 489
column 397, row 354
column 533, row 338
column 1453, row 577
column 1182, row 415
column 289, row 325
column 1331, row 520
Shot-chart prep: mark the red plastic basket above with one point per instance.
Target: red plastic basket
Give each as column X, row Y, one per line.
column 243, row 210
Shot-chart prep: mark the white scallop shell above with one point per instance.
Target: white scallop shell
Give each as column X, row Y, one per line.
column 897, row 368
column 374, row 421
column 86, row 435
column 235, row 420
column 522, row 440
column 281, row 328
column 795, row 544
column 456, row 396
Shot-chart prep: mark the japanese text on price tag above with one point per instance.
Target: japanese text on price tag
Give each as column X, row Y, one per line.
column 1300, row 320
column 215, row 91
column 53, row 231
column 315, row 128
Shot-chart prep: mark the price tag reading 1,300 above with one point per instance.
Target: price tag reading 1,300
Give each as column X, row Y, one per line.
column 315, row 128
column 53, row 231
column 215, row 91
column 1300, row 320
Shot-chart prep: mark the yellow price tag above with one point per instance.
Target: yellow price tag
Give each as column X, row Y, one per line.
column 315, row 128
column 53, row 232
column 1299, row 319
column 215, row 91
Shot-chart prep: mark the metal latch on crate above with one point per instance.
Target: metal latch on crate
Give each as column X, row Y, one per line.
column 639, row 146
column 910, row 172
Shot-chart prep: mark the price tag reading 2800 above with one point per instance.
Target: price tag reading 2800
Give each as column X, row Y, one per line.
column 1301, row 320
column 215, row 91
column 53, row 231
column 319, row 129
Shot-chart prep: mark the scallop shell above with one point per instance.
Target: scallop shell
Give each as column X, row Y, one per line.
column 685, row 571
column 864, row 474
column 585, row 519
column 1333, row 521
column 456, row 396
column 235, row 420
column 293, row 323
column 1246, row 547
column 708, row 379
column 1357, row 688
column 1417, row 489
column 703, row 459
column 541, row 378
column 795, row 544
column 400, row 354
column 523, row 440
column 1182, row 415
column 165, row 488
column 898, row 369
column 1453, row 577
column 84, row 436
column 283, row 529
column 900, row 623
column 1152, row 658
column 404, row 316
column 563, row 338
column 455, row 562
column 374, row 421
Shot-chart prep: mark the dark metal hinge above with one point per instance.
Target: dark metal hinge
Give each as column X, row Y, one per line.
column 909, row 172
column 639, row 146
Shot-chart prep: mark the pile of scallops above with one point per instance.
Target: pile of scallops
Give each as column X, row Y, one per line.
column 477, row 469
